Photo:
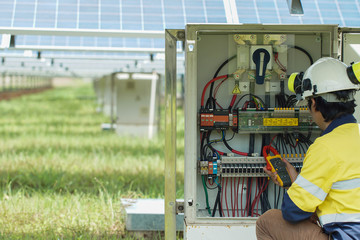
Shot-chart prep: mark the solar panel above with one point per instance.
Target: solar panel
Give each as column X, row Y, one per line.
column 341, row 12
column 64, row 41
column 153, row 15
column 160, row 14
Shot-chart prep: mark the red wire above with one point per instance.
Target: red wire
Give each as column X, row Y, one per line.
column 262, row 190
column 255, row 198
column 237, row 198
column 218, row 104
column 241, row 198
column 215, row 92
column 234, row 207
column 258, row 201
column 240, row 153
column 279, row 63
column 218, row 86
column 272, row 139
column 295, row 144
column 232, row 101
column 222, row 191
column 221, row 153
column 207, row 85
column 227, row 208
column 231, row 196
column 210, row 182
column 236, row 190
column 248, row 199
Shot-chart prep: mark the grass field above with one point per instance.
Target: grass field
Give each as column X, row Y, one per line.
column 61, row 177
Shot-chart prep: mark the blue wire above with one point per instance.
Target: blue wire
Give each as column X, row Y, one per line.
column 217, row 182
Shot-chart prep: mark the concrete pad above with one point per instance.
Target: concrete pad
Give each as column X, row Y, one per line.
column 147, row 215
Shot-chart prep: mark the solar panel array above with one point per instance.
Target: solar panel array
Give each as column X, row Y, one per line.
column 152, row 15
column 110, row 14
column 160, row 14
column 341, row 12
column 89, row 41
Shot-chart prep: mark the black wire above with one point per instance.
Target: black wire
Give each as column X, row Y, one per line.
column 291, row 140
column 263, row 196
column 201, row 145
column 277, row 146
column 248, row 94
column 266, row 196
column 284, row 145
column 280, row 100
column 230, row 148
column 210, row 98
column 281, row 143
column 288, row 142
column 227, row 145
column 291, row 101
column 275, row 206
column 217, row 203
column 231, row 137
column 208, row 140
column 223, row 64
column 304, row 51
column 299, row 147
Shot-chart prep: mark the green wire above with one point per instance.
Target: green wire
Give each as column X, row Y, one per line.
column 206, row 195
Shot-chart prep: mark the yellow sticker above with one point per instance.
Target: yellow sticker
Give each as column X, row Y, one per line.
column 236, row 89
column 283, row 122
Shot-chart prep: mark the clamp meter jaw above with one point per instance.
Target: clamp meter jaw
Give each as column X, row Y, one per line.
column 276, row 164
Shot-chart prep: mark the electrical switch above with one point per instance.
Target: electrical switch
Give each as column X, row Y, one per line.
column 261, row 58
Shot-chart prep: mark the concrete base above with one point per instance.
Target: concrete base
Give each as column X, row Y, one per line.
column 147, row 215
column 108, row 126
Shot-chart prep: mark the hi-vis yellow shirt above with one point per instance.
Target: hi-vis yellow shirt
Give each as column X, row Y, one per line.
column 329, row 182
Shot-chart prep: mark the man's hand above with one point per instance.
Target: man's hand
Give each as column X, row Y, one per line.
column 290, row 168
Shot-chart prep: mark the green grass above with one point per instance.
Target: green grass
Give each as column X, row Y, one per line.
column 61, row 177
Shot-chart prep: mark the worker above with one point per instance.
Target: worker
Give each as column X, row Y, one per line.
column 323, row 201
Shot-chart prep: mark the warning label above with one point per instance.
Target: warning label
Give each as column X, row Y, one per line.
column 236, row 89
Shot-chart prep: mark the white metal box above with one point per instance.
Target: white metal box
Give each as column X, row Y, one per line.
column 209, row 53
column 137, row 104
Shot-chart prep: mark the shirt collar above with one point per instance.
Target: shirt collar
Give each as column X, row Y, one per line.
column 343, row 119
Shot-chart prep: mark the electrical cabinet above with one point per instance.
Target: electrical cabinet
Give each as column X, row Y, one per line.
column 108, row 103
column 137, row 103
column 236, row 102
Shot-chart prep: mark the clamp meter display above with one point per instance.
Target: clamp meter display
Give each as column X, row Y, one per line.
column 276, row 164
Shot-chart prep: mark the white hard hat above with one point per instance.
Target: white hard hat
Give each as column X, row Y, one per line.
column 326, row 75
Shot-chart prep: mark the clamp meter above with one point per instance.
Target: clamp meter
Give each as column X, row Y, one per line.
column 276, row 164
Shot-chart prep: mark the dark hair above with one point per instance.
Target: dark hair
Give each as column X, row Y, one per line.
column 333, row 110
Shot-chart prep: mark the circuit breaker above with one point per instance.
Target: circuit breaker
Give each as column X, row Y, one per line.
column 236, row 103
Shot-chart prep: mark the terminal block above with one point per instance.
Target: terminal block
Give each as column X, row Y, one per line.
column 209, row 167
column 217, row 119
column 243, row 166
column 275, row 120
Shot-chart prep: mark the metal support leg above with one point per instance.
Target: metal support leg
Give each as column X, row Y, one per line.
column 170, row 134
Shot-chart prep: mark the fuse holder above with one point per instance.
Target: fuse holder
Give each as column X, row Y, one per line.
column 214, row 119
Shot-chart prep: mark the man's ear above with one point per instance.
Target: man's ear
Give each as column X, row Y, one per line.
column 313, row 104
